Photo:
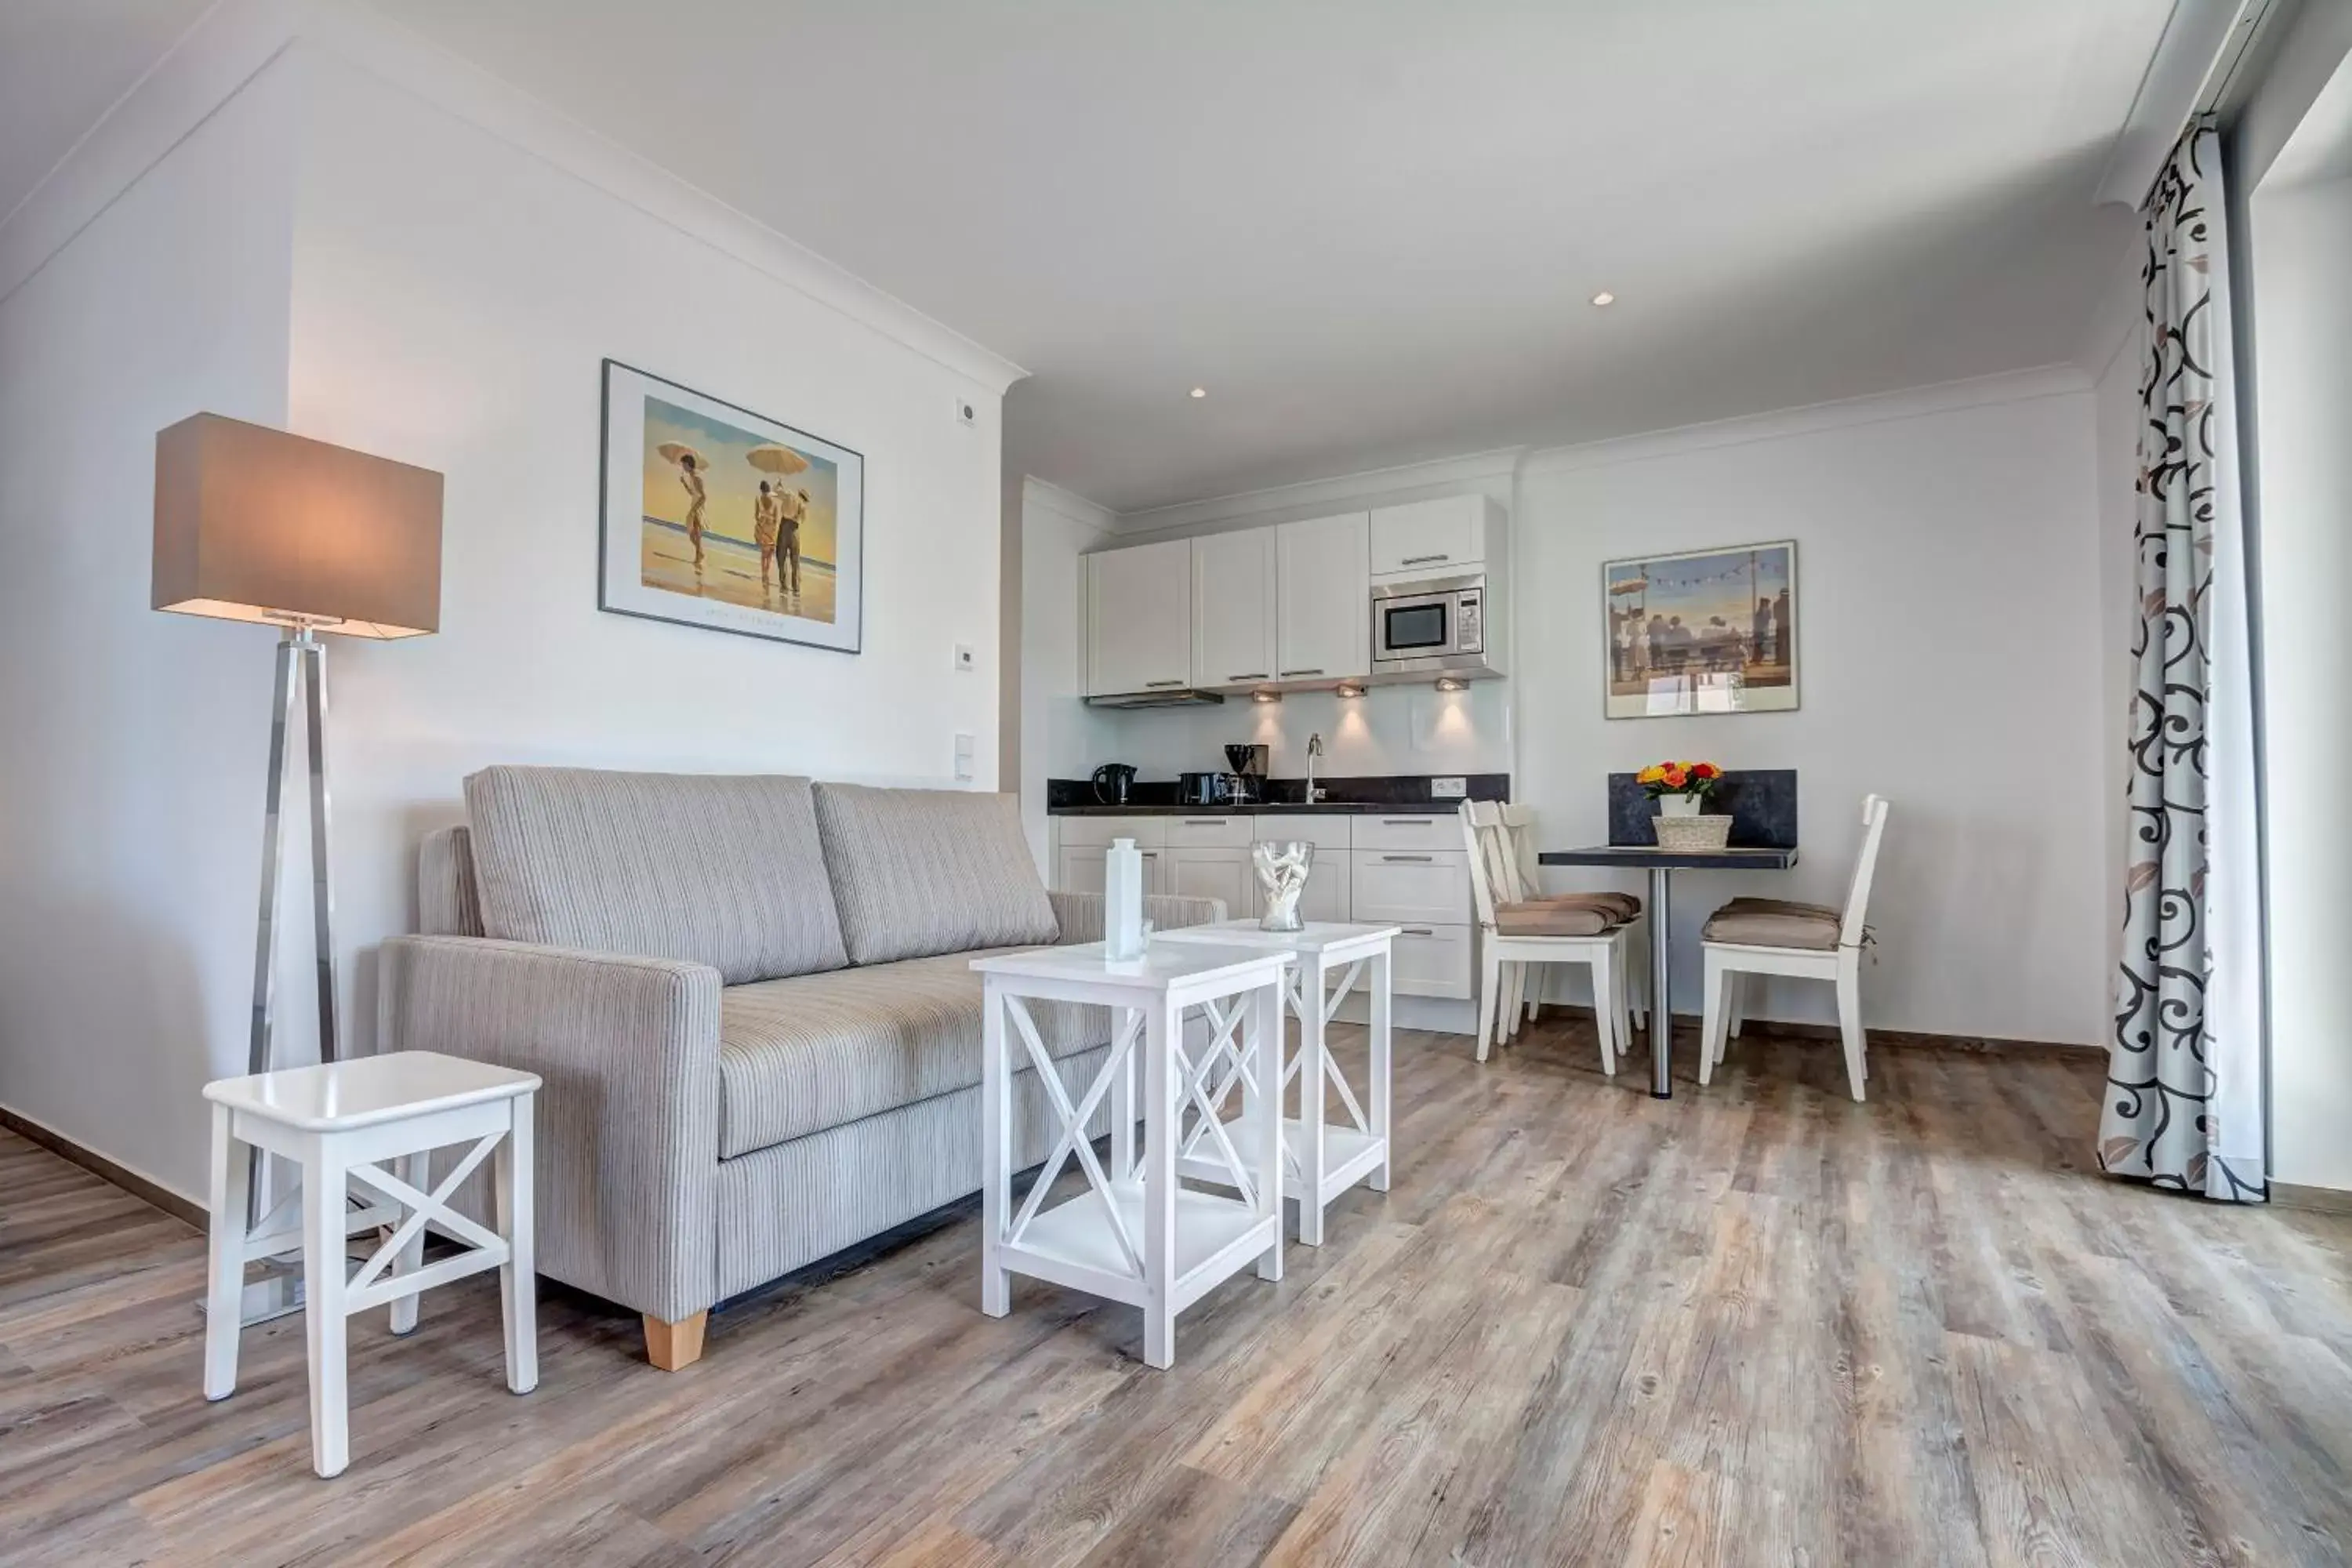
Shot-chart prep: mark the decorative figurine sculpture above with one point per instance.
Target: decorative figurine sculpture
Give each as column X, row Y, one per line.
column 1283, row 866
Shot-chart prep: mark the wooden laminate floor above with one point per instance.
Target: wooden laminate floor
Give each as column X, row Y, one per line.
column 1757, row 1324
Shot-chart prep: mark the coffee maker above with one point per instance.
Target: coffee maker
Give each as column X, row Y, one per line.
column 1248, row 777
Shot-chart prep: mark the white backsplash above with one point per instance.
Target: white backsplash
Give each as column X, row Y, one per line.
column 1412, row 729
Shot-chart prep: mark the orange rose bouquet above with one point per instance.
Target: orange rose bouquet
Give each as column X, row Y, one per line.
column 1696, row 780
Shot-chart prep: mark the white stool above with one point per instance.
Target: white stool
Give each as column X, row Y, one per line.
column 337, row 1121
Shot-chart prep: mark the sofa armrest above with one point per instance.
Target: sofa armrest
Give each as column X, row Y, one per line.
column 1081, row 915
column 627, row 1049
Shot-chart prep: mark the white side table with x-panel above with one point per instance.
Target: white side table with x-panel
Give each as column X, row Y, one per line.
column 1137, row 1235
column 341, row 1122
column 1323, row 1159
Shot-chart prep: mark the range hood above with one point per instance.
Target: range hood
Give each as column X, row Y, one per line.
column 1164, row 697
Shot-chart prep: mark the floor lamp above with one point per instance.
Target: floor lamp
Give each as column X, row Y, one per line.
column 253, row 524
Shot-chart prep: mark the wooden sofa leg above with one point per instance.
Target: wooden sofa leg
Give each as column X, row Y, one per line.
column 671, row 1346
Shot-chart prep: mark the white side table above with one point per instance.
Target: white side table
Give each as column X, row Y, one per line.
column 1136, row 1235
column 339, row 1121
column 1323, row 1161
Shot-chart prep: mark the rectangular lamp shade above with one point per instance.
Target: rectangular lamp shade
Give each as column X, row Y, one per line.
column 253, row 524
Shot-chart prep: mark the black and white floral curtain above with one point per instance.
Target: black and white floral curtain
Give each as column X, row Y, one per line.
column 2184, row 1106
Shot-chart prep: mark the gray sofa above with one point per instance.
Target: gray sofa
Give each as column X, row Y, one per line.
column 750, row 1002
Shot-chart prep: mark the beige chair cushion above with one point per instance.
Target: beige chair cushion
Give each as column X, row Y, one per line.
column 1800, row 927
column 1619, row 907
column 923, row 872
column 1747, row 906
column 712, row 868
column 1553, row 917
column 815, row 1051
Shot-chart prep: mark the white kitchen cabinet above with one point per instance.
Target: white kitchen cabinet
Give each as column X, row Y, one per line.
column 1431, row 889
column 1080, row 868
column 1234, row 608
column 1438, row 537
column 1082, row 843
column 1212, row 874
column 1140, row 618
column 1431, row 961
column 1323, row 577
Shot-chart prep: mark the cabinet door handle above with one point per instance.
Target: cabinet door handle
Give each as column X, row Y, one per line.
column 1149, row 684
column 1404, row 822
column 1422, row 560
column 1289, row 673
column 1414, row 930
column 1420, row 860
column 1205, row 821
column 1253, row 675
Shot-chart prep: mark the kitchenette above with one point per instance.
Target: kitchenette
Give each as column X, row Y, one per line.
column 1362, row 653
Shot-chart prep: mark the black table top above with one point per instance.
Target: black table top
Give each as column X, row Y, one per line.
column 1650, row 857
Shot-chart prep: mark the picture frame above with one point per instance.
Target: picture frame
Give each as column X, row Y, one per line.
column 1701, row 631
column 711, row 515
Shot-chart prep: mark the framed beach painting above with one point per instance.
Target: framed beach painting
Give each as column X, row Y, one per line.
column 715, row 516
column 1706, row 631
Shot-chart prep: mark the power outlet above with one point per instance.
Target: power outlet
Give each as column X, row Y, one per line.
column 1453, row 788
column 964, row 757
column 967, row 412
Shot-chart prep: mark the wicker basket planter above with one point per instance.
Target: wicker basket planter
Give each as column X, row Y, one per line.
column 1692, row 833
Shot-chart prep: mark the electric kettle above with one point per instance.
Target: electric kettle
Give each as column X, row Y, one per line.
column 1111, row 781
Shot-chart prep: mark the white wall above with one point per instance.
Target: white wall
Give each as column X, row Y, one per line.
column 1060, row 736
column 440, row 270
column 132, row 766
column 2302, row 251
column 1949, row 578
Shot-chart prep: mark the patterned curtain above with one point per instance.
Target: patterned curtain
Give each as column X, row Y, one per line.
column 2184, row 1106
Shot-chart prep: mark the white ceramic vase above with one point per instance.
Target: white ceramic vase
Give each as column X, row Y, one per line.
column 1680, row 805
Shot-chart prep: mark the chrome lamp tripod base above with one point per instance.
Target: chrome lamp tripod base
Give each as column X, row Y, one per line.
column 274, row 1291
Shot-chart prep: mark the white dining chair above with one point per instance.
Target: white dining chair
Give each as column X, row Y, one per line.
column 1633, row 985
column 1587, row 929
column 1806, row 941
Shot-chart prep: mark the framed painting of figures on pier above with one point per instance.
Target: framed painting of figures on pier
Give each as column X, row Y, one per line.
column 715, row 516
column 1706, row 631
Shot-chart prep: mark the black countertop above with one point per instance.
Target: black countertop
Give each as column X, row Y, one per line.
column 1399, row 794
column 1269, row 809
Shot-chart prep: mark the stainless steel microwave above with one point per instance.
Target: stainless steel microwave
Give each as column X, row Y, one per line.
column 1434, row 626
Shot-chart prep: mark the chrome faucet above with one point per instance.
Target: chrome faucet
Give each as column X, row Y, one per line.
column 1313, row 750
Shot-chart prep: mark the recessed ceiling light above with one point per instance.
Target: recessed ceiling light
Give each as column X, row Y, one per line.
column 1200, row 392
column 1604, row 298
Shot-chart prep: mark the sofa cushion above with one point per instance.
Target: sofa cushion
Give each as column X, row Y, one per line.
column 923, row 872
column 802, row 1055
column 723, row 871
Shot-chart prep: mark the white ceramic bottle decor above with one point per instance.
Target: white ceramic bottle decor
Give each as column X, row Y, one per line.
column 1123, row 901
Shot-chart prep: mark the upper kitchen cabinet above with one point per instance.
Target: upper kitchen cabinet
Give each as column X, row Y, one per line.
column 1436, row 537
column 1140, row 618
column 1232, row 608
column 1323, row 576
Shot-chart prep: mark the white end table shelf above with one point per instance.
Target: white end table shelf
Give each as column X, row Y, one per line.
column 1135, row 1234
column 1322, row 1160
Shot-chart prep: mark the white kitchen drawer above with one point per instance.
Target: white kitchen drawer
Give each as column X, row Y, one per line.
column 1208, row 831
column 1379, row 831
column 1328, row 834
column 1431, row 961
column 1096, row 832
column 1411, row 887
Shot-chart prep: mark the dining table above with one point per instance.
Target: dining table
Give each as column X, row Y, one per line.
column 1662, row 864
